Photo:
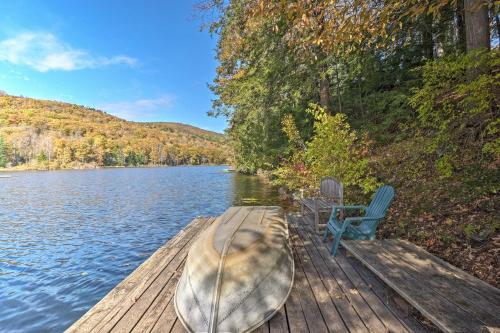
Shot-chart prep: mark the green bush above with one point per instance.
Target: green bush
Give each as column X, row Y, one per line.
column 293, row 172
column 42, row 157
column 335, row 150
column 3, row 153
column 457, row 105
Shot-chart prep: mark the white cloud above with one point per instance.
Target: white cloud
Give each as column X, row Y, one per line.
column 44, row 52
column 140, row 110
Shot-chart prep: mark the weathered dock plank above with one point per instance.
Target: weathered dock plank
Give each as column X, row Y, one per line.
column 329, row 288
column 327, row 296
column 451, row 300
column 374, row 314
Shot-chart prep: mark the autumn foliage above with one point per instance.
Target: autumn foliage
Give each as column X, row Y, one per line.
column 409, row 91
column 47, row 134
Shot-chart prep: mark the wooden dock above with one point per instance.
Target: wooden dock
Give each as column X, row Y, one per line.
column 452, row 299
column 329, row 294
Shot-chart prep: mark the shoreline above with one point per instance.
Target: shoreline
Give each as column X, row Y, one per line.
column 15, row 169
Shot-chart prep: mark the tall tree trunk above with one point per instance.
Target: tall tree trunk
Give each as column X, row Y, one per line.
column 497, row 24
column 427, row 40
column 339, row 98
column 460, row 26
column 477, row 29
column 360, row 99
column 324, row 92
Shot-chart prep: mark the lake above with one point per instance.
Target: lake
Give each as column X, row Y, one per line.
column 68, row 237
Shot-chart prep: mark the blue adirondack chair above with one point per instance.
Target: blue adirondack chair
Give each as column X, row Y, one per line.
column 366, row 225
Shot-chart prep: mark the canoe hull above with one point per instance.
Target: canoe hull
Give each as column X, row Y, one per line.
column 238, row 273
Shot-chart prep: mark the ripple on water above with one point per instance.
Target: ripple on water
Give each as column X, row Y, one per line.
column 68, row 237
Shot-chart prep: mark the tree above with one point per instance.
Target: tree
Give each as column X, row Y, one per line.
column 460, row 112
column 101, row 150
column 3, row 153
column 459, row 14
column 477, row 25
column 335, row 150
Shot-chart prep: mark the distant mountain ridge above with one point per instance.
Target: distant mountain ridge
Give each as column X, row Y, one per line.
column 50, row 134
column 209, row 135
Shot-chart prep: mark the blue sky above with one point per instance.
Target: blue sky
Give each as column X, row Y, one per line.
column 142, row 60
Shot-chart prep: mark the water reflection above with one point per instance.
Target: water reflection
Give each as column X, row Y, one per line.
column 251, row 190
column 68, row 237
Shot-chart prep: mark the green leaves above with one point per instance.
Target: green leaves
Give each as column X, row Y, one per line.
column 459, row 113
column 371, row 66
column 335, row 150
column 3, row 153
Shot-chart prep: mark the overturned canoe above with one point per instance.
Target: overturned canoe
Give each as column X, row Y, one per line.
column 238, row 273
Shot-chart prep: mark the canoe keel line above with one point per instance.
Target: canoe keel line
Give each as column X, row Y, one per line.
column 238, row 273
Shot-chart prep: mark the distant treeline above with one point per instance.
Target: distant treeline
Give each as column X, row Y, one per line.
column 47, row 134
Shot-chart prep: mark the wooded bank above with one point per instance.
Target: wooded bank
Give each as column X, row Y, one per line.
column 404, row 93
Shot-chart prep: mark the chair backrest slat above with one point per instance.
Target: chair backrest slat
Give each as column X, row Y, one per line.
column 381, row 201
column 332, row 189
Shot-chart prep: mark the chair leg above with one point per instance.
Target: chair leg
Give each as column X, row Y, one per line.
column 325, row 234
column 336, row 242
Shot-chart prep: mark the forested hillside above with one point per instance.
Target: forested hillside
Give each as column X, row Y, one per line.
column 373, row 92
column 47, row 134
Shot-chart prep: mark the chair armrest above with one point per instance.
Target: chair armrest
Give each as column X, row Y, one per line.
column 362, row 218
column 349, row 207
column 343, row 208
column 336, row 208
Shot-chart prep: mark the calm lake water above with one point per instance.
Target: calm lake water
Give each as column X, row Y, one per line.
column 68, row 237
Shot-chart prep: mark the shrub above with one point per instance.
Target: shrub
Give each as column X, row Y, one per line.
column 335, row 150
column 293, row 171
column 457, row 105
column 3, row 153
